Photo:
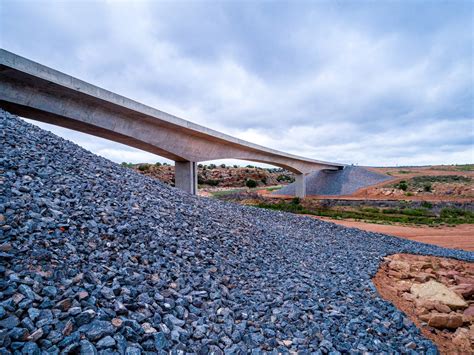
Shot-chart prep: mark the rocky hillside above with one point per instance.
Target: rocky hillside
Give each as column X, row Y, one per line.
column 95, row 258
column 220, row 176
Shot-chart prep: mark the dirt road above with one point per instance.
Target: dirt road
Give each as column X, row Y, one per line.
column 458, row 237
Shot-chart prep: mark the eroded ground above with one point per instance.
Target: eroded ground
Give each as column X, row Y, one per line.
column 437, row 294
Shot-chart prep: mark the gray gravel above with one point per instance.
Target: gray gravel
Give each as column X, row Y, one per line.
column 96, row 258
column 336, row 183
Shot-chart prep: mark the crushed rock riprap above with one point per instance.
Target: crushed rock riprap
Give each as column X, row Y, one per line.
column 97, row 258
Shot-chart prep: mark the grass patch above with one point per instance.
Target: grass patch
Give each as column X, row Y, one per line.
column 422, row 181
column 465, row 167
column 221, row 193
column 273, row 188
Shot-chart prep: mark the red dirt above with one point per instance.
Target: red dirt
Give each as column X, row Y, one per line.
column 458, row 237
column 394, row 285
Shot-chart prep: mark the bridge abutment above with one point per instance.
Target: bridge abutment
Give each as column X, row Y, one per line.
column 300, row 185
column 185, row 176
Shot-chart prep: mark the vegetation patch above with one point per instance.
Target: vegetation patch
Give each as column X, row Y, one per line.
column 251, row 183
column 422, row 180
column 421, row 216
column 425, row 182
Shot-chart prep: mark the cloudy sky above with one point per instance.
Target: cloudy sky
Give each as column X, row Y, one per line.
column 371, row 83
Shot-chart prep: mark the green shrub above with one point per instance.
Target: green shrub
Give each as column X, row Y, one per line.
column 426, row 204
column 427, row 187
column 235, row 166
column 223, row 166
column 295, row 201
column 402, row 185
column 281, row 178
column 454, row 213
column 414, row 212
column 264, row 180
column 251, row 183
column 370, row 209
column 211, row 182
column 212, row 166
column 158, row 164
column 144, row 167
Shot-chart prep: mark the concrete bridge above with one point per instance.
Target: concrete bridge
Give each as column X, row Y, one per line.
column 35, row 91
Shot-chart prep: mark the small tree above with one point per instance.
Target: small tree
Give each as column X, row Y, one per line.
column 212, row 182
column 402, row 185
column 426, row 204
column 223, row 166
column 251, row 183
column 143, row 167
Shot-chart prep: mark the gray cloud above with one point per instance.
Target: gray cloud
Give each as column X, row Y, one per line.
column 369, row 83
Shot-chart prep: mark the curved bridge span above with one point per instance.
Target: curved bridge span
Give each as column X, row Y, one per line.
column 35, row 91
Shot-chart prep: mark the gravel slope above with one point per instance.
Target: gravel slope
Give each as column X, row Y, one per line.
column 97, row 258
column 335, row 183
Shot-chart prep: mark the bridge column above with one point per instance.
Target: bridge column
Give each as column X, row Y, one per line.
column 185, row 176
column 300, row 185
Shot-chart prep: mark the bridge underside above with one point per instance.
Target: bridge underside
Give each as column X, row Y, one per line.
column 33, row 91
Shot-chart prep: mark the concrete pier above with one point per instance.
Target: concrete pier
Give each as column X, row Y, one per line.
column 185, row 176
column 300, row 185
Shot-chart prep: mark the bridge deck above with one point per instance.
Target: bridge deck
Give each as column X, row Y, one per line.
column 38, row 92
